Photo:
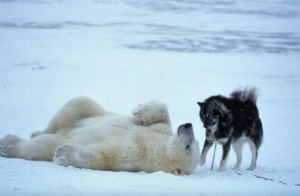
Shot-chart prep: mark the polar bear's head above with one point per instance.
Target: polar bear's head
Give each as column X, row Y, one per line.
column 184, row 150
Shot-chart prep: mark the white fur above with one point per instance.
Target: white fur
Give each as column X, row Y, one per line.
column 223, row 140
column 203, row 157
column 213, row 129
column 84, row 135
column 238, row 147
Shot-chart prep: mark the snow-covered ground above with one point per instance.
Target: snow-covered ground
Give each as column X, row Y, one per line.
column 122, row 53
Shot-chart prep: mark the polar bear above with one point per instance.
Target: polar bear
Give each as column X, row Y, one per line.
column 84, row 135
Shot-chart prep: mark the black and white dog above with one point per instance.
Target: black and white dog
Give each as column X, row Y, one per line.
column 233, row 120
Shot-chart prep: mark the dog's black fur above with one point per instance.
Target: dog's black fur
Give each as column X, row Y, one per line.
column 233, row 120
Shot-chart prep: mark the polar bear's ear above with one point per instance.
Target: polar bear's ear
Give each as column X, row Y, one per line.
column 186, row 134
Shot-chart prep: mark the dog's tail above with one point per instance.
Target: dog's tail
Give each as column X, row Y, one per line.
column 247, row 94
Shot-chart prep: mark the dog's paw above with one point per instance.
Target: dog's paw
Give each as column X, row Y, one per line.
column 236, row 168
column 8, row 145
column 251, row 168
column 202, row 161
column 221, row 168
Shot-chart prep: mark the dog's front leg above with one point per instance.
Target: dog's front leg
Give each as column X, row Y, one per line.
column 226, row 149
column 207, row 145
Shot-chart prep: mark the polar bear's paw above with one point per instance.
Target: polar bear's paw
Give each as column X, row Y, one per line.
column 8, row 145
column 72, row 155
column 138, row 115
column 152, row 112
column 62, row 155
column 34, row 134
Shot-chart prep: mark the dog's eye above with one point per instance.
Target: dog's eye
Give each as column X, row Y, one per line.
column 209, row 116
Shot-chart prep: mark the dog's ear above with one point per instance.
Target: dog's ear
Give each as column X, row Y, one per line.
column 200, row 104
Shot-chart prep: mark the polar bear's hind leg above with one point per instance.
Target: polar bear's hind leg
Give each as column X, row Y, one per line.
column 74, row 110
column 39, row 148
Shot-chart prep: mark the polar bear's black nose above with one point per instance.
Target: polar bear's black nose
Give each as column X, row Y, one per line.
column 187, row 125
column 185, row 129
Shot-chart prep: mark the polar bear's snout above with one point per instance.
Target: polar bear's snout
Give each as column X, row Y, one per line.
column 188, row 125
column 186, row 130
column 186, row 134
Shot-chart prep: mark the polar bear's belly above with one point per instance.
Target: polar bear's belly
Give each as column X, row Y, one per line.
column 99, row 129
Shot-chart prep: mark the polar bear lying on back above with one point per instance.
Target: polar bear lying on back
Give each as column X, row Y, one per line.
column 82, row 134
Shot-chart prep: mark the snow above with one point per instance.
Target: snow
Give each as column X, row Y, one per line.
column 123, row 53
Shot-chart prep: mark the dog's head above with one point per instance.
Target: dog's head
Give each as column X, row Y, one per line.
column 213, row 113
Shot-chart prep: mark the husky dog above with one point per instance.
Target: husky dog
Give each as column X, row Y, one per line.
column 233, row 120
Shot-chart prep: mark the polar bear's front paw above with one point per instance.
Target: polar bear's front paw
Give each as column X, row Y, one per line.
column 139, row 116
column 152, row 112
column 72, row 155
column 63, row 155
column 8, row 145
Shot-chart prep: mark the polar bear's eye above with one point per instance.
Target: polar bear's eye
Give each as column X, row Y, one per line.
column 187, row 147
column 178, row 171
